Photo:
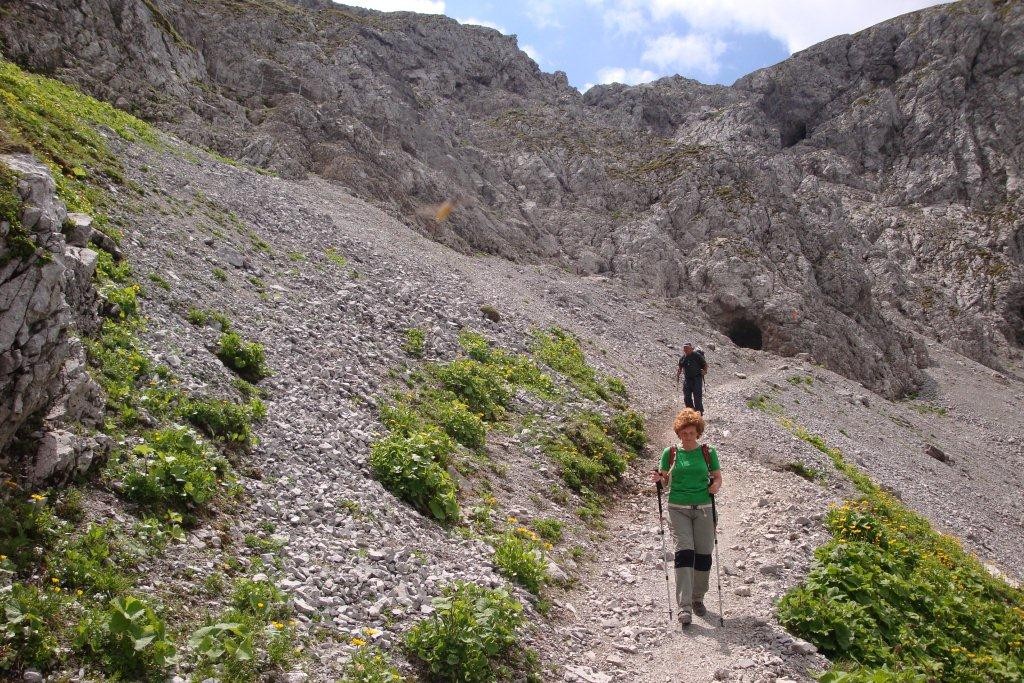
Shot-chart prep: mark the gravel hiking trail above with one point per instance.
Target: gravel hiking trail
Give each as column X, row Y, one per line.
column 624, row 594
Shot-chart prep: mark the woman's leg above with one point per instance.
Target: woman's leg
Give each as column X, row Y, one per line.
column 682, row 530
column 704, row 546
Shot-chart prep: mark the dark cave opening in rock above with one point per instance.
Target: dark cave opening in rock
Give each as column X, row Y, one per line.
column 746, row 333
column 793, row 133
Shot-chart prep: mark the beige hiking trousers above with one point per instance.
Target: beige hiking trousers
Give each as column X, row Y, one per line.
column 694, row 532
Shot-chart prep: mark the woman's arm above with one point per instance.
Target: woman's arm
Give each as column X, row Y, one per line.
column 716, row 482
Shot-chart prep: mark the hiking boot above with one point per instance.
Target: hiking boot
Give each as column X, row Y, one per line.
column 699, row 609
column 685, row 618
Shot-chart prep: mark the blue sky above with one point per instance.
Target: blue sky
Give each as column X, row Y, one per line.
column 635, row 41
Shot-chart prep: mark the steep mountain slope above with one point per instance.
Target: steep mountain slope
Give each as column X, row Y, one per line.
column 811, row 207
column 330, row 286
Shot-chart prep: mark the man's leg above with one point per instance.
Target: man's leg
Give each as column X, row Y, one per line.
column 697, row 387
column 688, row 392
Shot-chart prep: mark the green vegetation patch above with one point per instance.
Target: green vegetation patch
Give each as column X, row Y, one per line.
column 471, row 631
column 412, row 466
column 370, row 665
column 889, row 598
column 18, row 243
column 172, row 469
column 519, row 557
column 60, row 126
column 415, row 341
column 248, row 359
column 253, row 640
column 229, row 423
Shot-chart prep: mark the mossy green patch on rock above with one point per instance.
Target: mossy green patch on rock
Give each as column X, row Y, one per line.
column 61, row 126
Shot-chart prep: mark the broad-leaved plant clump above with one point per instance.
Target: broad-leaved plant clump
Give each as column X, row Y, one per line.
column 471, row 630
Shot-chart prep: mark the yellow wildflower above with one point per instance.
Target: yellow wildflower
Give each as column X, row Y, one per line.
column 278, row 625
column 358, row 642
column 260, row 605
column 370, row 631
column 37, row 497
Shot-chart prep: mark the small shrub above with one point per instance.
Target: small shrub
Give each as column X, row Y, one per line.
column 27, row 523
column 200, row 317
column 415, row 340
column 561, row 351
column 126, row 299
column 798, row 380
column 68, row 506
column 401, row 418
column 220, row 274
column 471, row 629
column 32, row 625
column 369, row 665
column 549, row 529
column 260, row 598
column 578, row 470
column 129, row 638
column 413, row 468
column 765, row 404
column 801, row 470
column 520, row 559
column 455, row 418
column 246, row 358
column 629, row 430
column 88, row 562
column 588, row 435
column 172, row 469
column 617, row 387
column 517, row 370
column 479, row 385
column 110, row 270
column 228, row 422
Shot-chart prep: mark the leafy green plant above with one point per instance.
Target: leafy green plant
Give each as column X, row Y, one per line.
column 415, row 340
column 548, row 529
column 561, row 351
column 520, row 558
column 220, row 274
column 369, row 665
column 253, row 636
column 479, row 385
column 228, row 422
column 412, row 466
column 617, row 387
column 27, row 523
column 629, row 430
column 31, row 626
column 172, row 468
column 248, row 359
column 888, row 594
column 471, row 629
column 517, row 370
column 129, row 638
column 159, row 281
column 88, row 562
column 455, row 418
column 61, row 126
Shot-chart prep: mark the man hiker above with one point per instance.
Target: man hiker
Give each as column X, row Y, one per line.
column 692, row 367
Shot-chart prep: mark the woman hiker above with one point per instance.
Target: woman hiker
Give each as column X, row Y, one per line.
column 687, row 468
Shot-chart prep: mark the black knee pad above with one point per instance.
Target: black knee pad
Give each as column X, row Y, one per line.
column 701, row 562
column 684, row 558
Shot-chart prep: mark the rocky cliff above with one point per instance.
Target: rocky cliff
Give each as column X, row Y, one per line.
column 861, row 193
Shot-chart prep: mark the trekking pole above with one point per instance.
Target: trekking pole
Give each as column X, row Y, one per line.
column 664, row 553
column 718, row 574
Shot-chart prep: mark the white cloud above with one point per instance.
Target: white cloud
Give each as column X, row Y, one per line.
column 689, row 53
column 542, row 13
column 422, row 6
column 531, row 52
column 797, row 24
column 618, row 74
column 483, row 22
column 586, row 87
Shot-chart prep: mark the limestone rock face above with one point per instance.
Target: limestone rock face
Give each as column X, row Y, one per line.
column 844, row 203
column 44, row 385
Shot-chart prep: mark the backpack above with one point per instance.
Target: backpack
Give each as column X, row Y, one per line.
column 704, row 371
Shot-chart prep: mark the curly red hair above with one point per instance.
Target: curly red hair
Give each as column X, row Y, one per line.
column 687, row 417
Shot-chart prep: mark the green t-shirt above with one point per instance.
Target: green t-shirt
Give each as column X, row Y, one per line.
column 689, row 483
